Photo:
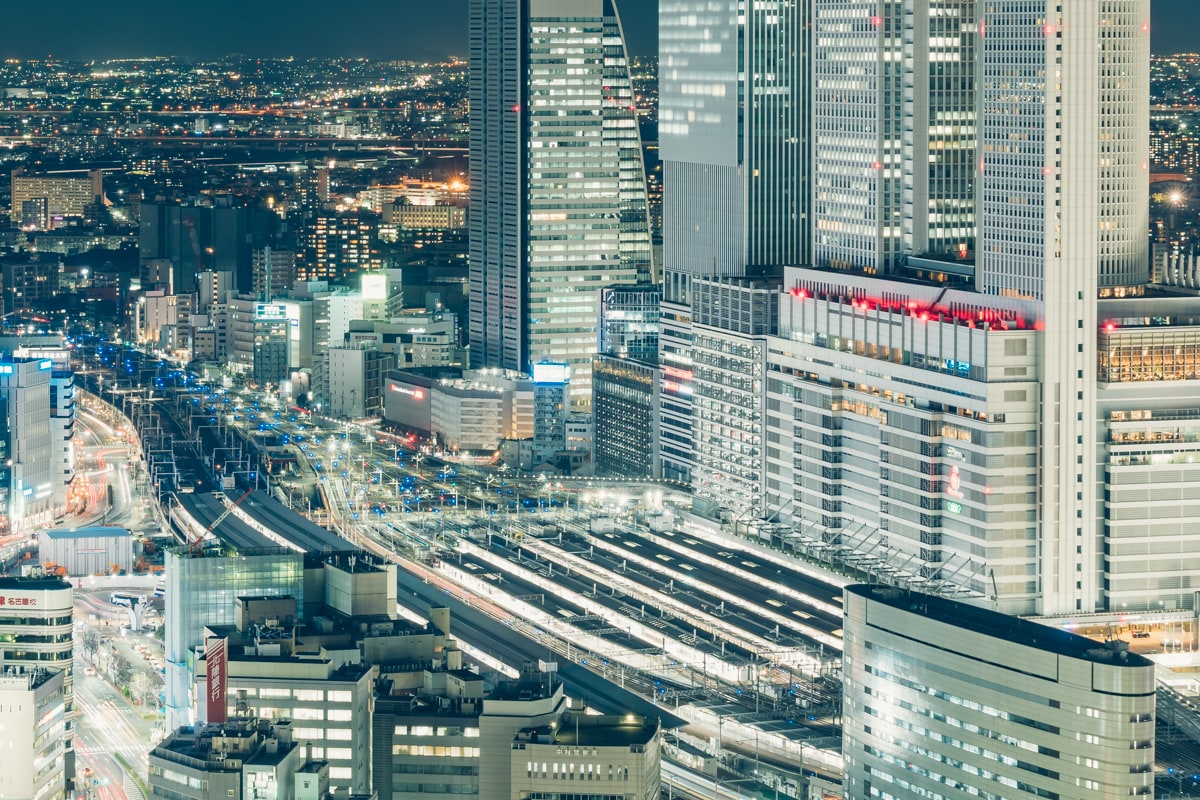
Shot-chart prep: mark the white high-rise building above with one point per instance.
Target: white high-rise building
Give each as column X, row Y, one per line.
column 32, row 461
column 1063, row 208
column 940, row 153
column 733, row 135
column 995, row 440
column 53, row 347
column 33, row 734
column 36, row 626
column 859, row 74
column 894, row 138
column 558, row 194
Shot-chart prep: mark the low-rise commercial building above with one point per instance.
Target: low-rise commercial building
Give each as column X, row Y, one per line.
column 356, row 375
column 87, row 551
column 471, row 413
column 449, row 736
column 242, row 758
column 417, row 339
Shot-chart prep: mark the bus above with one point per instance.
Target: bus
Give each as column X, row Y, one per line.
column 127, row 600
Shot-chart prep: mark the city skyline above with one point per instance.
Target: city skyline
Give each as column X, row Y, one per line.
column 121, row 29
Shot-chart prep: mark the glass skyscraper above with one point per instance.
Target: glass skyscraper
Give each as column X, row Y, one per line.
column 733, row 136
column 202, row 589
column 558, row 205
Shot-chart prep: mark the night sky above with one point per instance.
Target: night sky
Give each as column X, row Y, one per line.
column 82, row 29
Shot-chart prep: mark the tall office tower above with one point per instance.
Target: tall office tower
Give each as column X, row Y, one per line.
column 1063, row 219
column 1014, row 472
column 858, row 108
column 193, row 239
column 558, row 204
column 894, row 140
column 734, row 142
column 943, row 699
column 733, row 136
column 32, row 463
column 36, row 626
column 1065, row 160
column 940, row 164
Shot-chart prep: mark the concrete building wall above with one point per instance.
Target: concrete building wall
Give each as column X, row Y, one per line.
column 33, row 736
column 943, row 698
column 87, row 552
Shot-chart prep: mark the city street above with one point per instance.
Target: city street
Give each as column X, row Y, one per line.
column 109, row 724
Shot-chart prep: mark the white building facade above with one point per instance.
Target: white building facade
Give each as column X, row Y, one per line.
column 943, row 699
column 984, row 440
column 36, row 632
column 33, row 459
column 33, row 734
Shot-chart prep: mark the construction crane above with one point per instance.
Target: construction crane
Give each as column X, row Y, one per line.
column 196, row 545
